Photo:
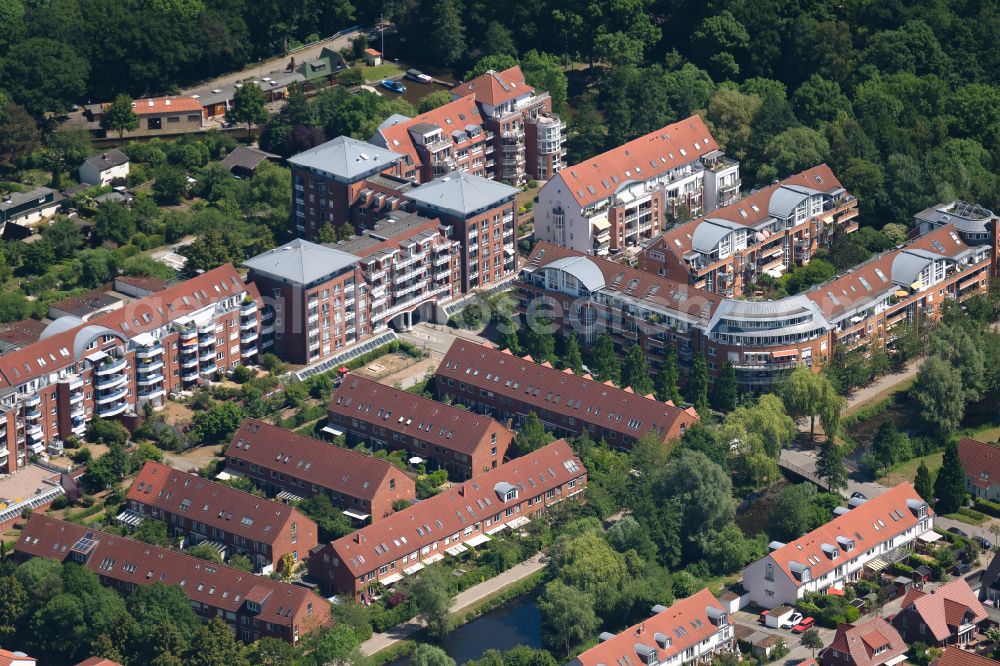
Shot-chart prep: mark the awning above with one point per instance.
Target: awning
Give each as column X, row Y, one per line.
column 228, row 474
column 391, row 578
column 785, row 353
column 96, row 356
column 898, row 659
column 286, row 496
column 836, row 592
column 130, row 518
column 520, row 521
column 355, row 514
column 217, row 546
column 877, row 564
column 412, row 569
column 415, row 460
column 477, row 540
column 902, row 293
column 508, row 251
column 455, row 551
column 496, row 528
column 776, row 271
column 929, row 537
column 434, row 557
column 330, row 430
column 602, row 224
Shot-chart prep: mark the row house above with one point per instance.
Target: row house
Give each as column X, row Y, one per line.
column 630, row 194
column 293, row 467
column 448, row 138
column 948, row 615
column 763, row 339
column 116, row 362
column 868, row 533
column 696, row 629
column 382, row 417
column 495, row 382
column 766, row 232
column 871, row 643
column 236, row 522
column 482, row 215
column 981, row 466
column 327, row 181
column 462, row 517
column 254, row 607
column 528, row 140
column 157, row 115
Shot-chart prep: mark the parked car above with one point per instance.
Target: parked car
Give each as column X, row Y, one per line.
column 804, row 626
column 763, row 617
column 792, row 620
column 394, row 86
column 961, row 569
column 961, row 533
column 857, row 495
column 984, row 543
column 418, row 76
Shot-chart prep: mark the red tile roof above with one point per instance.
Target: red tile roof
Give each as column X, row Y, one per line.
column 452, row 116
column 980, row 461
column 414, row 415
column 143, row 282
column 862, row 640
column 98, row 661
column 311, row 460
column 955, row 656
column 944, row 609
column 457, row 508
column 123, row 559
column 686, row 623
column 159, row 105
column 214, row 504
column 7, row 658
column 877, row 520
column 638, row 160
column 495, row 88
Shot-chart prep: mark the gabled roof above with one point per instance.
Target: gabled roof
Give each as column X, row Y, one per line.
column 453, row 510
column 301, row 262
column 638, row 160
column 107, row 160
column 16, row 199
column 326, row 465
column 560, row 392
column 956, row 656
column 98, row 661
column 213, row 504
column 669, row 633
column 346, row 158
column 453, row 116
column 158, row 105
column 861, row 641
column 980, row 461
column 944, row 609
column 8, row 658
column 414, row 415
column 862, row 528
column 494, row 88
column 247, row 157
column 461, row 193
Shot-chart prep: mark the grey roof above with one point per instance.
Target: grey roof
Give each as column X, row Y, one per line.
column 967, row 218
column 462, row 193
column 394, row 119
column 784, row 199
column 346, row 158
column 397, row 226
column 423, row 128
column 60, row 325
column 906, row 266
column 108, row 160
column 88, row 334
column 20, row 198
column 781, row 308
column 247, row 158
column 709, row 232
column 583, row 269
column 301, row 262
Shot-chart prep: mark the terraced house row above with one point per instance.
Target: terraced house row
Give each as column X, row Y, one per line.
column 115, row 362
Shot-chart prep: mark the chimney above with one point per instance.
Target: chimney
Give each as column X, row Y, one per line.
column 461, row 490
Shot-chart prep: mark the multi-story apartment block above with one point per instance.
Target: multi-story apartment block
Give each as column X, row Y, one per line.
column 630, row 194
column 459, row 518
column 884, row 527
column 498, row 383
column 973, row 223
column 327, row 180
column 691, row 631
column 763, row 339
column 382, row 417
column 766, row 232
column 114, row 363
column 871, row 643
column 948, row 615
column 293, row 466
column 482, row 216
column 528, row 139
column 235, row 522
column 448, row 138
column 253, row 606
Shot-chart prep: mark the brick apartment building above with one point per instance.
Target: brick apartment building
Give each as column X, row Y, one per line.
column 765, row 232
column 253, row 606
column 495, row 382
column 382, row 417
column 459, row 518
column 631, row 193
column 692, row 630
column 528, row 139
column 236, row 522
column 763, row 339
column 293, row 466
column 115, row 362
column 448, row 138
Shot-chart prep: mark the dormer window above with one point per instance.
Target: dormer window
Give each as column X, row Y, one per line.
column 505, row 491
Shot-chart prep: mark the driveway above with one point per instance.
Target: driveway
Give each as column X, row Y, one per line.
column 437, row 338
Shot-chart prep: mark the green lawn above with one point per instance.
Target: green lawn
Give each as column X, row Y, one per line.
column 968, row 517
column 908, row 470
column 383, row 71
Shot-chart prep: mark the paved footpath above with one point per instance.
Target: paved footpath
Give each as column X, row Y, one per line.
column 463, row 600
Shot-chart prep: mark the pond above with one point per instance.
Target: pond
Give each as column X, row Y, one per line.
column 518, row 622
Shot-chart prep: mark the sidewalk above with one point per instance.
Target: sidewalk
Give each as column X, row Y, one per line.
column 463, row 600
column 881, row 385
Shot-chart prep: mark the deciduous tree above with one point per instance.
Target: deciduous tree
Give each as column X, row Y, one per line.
column 120, row 117
column 568, row 617
column 249, row 106
column 431, row 595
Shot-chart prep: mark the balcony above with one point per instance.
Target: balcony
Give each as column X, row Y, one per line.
column 33, row 400
column 113, row 409
column 441, row 275
column 34, row 431
column 77, row 411
column 207, row 329
column 207, row 357
column 33, row 414
column 110, row 367
column 249, row 352
column 267, row 329
column 150, row 379
column 189, row 362
column 111, row 382
column 247, row 338
column 248, row 308
column 209, row 370
column 149, row 395
column 190, row 375
column 413, row 258
column 149, row 367
column 207, row 342
column 149, row 352
column 378, row 292
column 246, row 324
column 111, row 396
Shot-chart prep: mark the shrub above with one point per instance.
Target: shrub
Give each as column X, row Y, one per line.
column 988, row 507
column 351, row 77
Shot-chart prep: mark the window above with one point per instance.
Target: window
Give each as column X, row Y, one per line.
column 769, row 571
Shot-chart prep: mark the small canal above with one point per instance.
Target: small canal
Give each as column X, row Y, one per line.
column 518, row 622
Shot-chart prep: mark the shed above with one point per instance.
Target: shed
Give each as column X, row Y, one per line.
column 372, row 57
column 778, row 616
